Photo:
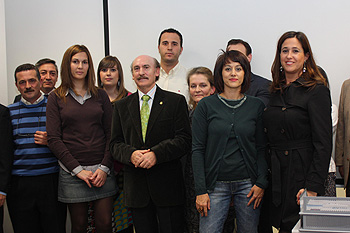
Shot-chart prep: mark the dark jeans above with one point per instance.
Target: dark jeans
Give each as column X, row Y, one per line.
column 33, row 205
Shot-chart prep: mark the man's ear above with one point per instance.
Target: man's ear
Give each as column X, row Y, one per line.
column 250, row 56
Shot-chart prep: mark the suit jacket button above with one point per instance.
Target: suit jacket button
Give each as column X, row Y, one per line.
column 282, row 130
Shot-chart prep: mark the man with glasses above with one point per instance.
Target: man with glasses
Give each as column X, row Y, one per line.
column 48, row 76
column 32, row 195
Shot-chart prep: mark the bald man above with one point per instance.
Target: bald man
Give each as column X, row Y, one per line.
column 150, row 133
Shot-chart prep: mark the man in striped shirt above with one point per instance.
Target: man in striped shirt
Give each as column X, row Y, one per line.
column 32, row 196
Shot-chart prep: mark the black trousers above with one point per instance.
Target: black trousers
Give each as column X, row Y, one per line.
column 1, row 219
column 33, row 205
column 153, row 219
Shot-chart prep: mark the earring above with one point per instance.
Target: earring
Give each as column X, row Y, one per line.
column 118, row 83
column 281, row 68
column 304, row 68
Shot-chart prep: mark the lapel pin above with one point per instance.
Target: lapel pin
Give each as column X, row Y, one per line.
column 161, row 102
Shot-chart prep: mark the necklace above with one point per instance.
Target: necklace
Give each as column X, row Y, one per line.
column 241, row 101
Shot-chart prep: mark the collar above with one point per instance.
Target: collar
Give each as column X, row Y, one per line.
column 151, row 93
column 173, row 70
column 80, row 99
column 35, row 102
column 47, row 93
column 301, row 80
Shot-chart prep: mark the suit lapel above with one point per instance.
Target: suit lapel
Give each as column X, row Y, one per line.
column 134, row 109
column 157, row 107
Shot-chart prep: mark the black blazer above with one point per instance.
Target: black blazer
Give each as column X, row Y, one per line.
column 259, row 87
column 6, row 148
column 168, row 136
column 17, row 98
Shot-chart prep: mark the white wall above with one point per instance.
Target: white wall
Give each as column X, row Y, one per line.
column 46, row 28
column 207, row 25
column 3, row 72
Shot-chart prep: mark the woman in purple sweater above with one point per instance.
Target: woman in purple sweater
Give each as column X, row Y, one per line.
column 78, row 127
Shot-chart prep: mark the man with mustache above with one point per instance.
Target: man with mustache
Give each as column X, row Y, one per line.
column 32, row 194
column 48, row 76
column 150, row 133
column 172, row 74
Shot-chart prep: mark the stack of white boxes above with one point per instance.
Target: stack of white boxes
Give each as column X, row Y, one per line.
column 324, row 214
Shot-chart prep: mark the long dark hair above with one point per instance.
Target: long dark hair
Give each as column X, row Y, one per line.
column 311, row 75
column 110, row 62
column 66, row 73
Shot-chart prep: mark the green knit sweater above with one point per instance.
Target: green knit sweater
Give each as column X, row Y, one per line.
column 212, row 124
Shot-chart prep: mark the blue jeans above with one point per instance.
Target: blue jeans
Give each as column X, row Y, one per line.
column 246, row 217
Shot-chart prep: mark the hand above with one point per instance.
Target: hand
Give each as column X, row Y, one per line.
column 308, row 193
column 137, row 157
column 257, row 194
column 98, row 179
column 40, row 137
column 341, row 170
column 85, row 176
column 149, row 160
column 2, row 199
column 203, row 204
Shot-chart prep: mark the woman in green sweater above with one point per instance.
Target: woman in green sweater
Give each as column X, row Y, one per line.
column 228, row 148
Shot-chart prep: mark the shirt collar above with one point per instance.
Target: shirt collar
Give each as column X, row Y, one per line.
column 35, row 102
column 173, row 70
column 78, row 98
column 47, row 93
column 151, row 93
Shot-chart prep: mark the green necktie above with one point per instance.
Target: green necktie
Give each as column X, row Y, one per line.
column 144, row 115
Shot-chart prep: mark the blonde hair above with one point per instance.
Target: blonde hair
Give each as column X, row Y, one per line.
column 199, row 70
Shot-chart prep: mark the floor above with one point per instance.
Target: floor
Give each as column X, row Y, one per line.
column 8, row 227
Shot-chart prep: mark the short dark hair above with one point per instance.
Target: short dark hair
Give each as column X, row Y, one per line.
column 231, row 56
column 170, row 30
column 46, row 61
column 239, row 41
column 25, row 67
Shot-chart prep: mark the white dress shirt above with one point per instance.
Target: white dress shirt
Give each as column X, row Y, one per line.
column 175, row 81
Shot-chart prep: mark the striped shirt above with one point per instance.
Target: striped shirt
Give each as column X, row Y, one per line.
column 30, row 159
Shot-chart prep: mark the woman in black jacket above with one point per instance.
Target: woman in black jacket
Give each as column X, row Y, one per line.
column 299, row 128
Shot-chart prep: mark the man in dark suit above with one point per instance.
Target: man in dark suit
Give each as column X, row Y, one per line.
column 151, row 150
column 259, row 86
column 6, row 157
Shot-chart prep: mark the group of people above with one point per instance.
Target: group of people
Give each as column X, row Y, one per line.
column 226, row 145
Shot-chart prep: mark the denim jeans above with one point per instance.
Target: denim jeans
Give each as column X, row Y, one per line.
column 246, row 217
